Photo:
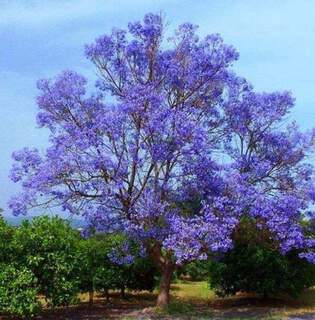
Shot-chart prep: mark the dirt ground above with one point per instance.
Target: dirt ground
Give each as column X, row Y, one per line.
column 143, row 309
column 185, row 305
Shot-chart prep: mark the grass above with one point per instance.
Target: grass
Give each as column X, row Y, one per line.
column 193, row 291
column 194, row 300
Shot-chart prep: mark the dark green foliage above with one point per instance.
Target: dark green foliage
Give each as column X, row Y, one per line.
column 262, row 271
column 18, row 291
column 256, row 265
column 99, row 273
column 93, row 263
column 197, row 270
column 141, row 275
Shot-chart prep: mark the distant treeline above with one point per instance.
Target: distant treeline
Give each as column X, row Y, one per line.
column 17, row 221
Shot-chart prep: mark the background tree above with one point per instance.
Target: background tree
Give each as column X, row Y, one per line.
column 167, row 124
column 197, row 270
column 93, row 261
column 100, row 272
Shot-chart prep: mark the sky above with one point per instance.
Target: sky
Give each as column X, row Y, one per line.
column 38, row 39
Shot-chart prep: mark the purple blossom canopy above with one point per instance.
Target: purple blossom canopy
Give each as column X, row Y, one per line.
column 169, row 124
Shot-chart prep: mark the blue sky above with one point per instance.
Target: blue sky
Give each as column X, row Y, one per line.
column 38, row 39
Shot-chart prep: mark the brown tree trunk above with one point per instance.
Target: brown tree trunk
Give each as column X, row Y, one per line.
column 163, row 298
column 122, row 293
column 91, row 297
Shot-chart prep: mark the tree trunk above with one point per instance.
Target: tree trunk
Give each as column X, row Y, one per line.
column 91, row 297
column 122, row 293
column 163, row 298
column 107, row 295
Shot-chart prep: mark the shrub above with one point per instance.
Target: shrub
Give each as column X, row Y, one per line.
column 48, row 247
column 256, row 265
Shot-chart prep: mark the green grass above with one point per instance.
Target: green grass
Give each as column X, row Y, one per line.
column 192, row 291
column 194, row 300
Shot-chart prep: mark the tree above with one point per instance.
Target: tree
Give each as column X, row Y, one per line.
column 168, row 124
column 97, row 271
column 91, row 259
column 47, row 246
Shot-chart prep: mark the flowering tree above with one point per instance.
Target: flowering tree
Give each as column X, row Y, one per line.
column 170, row 124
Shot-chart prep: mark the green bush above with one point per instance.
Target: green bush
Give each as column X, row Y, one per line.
column 99, row 273
column 48, row 247
column 197, row 270
column 18, row 285
column 18, row 291
column 256, row 265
